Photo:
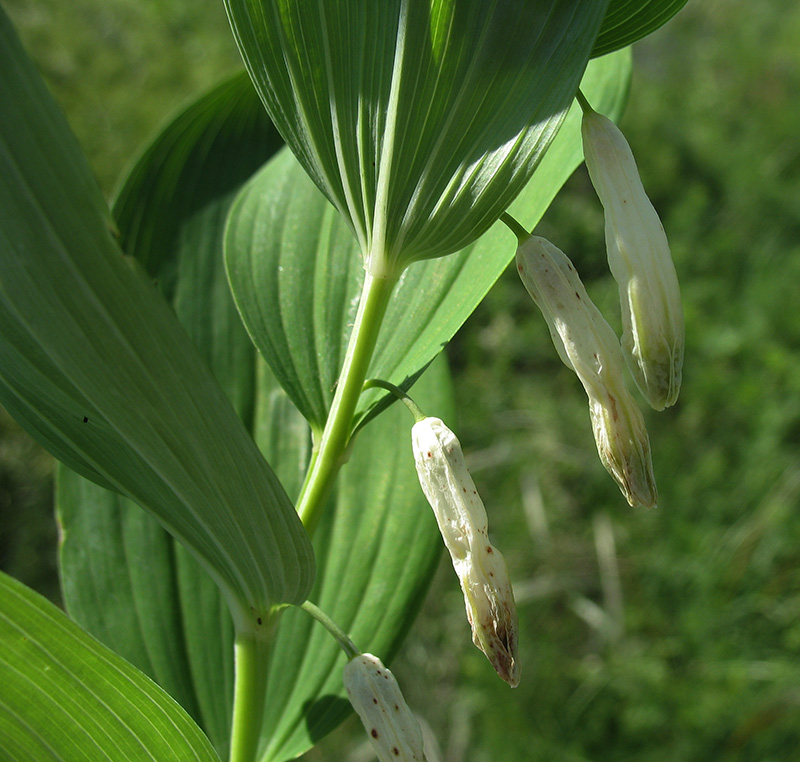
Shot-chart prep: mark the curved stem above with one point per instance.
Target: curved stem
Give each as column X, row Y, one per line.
column 517, row 229
column 342, row 638
column 250, row 691
column 330, row 455
column 400, row 394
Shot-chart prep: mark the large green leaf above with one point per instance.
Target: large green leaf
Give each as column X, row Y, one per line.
column 421, row 120
column 64, row 696
column 124, row 579
column 377, row 548
column 94, row 363
column 627, row 21
column 284, row 242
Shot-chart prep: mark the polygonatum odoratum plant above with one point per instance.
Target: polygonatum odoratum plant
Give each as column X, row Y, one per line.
column 212, row 358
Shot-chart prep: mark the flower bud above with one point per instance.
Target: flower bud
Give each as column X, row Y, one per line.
column 588, row 345
column 640, row 261
column 462, row 520
column 375, row 695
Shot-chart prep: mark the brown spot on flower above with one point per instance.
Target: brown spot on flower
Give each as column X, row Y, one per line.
column 612, row 400
column 374, row 733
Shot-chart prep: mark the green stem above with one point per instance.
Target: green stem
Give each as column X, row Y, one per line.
column 400, row 394
column 342, row 638
column 583, row 102
column 330, row 455
column 517, row 229
column 250, row 691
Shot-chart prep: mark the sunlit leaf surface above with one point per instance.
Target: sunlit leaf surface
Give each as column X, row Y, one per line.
column 64, row 696
column 420, row 121
column 627, row 21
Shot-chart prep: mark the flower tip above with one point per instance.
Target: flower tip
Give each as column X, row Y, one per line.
column 462, row 520
column 497, row 638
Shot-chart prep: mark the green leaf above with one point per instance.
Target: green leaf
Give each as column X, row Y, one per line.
column 421, row 121
column 124, row 579
column 95, row 365
column 627, row 21
column 63, row 696
column 295, row 271
column 129, row 584
column 171, row 210
column 377, row 549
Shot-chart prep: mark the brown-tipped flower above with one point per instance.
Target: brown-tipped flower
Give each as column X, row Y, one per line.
column 588, row 345
column 640, row 261
column 462, row 520
column 375, row 695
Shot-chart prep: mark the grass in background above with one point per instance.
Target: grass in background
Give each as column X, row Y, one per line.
column 656, row 636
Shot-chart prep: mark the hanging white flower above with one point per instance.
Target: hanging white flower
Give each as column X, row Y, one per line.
column 640, row 261
column 375, row 695
column 588, row 345
column 462, row 520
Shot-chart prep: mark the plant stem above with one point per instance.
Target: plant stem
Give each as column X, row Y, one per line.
column 517, row 229
column 583, row 102
column 250, row 691
column 400, row 394
column 342, row 638
column 330, row 455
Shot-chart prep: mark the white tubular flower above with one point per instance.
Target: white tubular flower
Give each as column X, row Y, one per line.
column 375, row 695
column 640, row 261
column 462, row 520
column 588, row 345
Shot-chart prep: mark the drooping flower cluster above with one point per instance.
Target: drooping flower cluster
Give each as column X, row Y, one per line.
column 652, row 316
column 462, row 520
column 375, row 695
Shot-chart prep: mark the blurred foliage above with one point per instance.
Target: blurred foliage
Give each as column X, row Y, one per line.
column 661, row 635
column 120, row 67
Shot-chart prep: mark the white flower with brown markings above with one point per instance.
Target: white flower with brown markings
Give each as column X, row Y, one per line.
column 640, row 261
column 375, row 695
column 588, row 345
column 462, row 520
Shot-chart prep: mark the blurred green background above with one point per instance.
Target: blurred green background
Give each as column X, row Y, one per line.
column 666, row 635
